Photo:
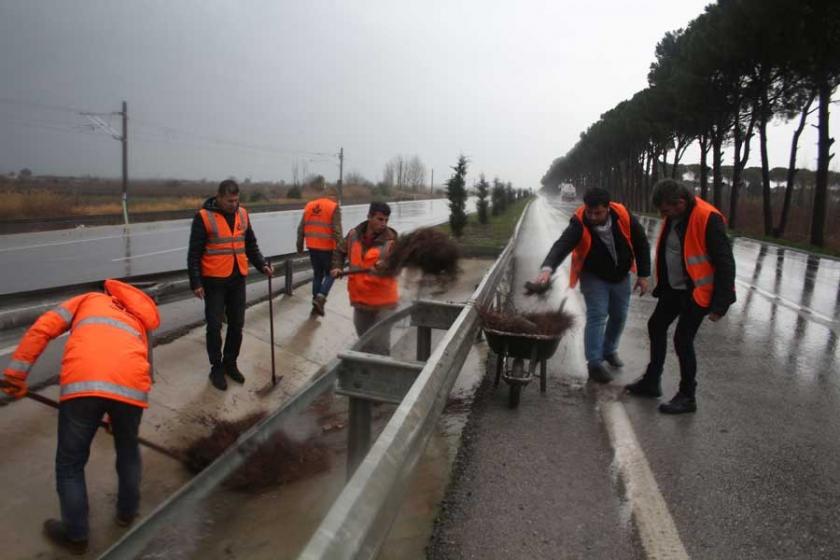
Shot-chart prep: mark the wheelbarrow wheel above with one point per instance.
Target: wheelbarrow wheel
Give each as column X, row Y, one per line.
column 513, row 395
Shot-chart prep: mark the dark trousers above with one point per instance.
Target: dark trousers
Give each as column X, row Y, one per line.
column 224, row 298
column 675, row 304
column 321, row 264
column 78, row 420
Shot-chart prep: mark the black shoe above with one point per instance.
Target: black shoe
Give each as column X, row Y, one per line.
column 680, row 404
column 598, row 374
column 217, row 378
column 614, row 360
column 57, row 534
column 318, row 303
column 645, row 387
column 233, row 372
column 125, row 520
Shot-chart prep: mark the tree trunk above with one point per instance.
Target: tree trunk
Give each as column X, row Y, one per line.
column 765, row 168
column 704, row 174
column 717, row 179
column 791, row 172
column 823, row 157
column 741, row 155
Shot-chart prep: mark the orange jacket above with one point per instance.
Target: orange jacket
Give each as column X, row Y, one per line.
column 585, row 243
column 224, row 248
column 370, row 290
column 107, row 352
column 695, row 254
column 318, row 224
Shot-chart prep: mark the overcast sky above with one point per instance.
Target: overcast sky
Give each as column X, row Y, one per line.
column 218, row 88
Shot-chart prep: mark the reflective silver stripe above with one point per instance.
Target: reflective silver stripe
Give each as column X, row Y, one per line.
column 63, row 313
column 234, row 239
column 704, row 280
column 317, row 234
column 20, row 365
column 697, row 259
column 243, row 219
column 214, row 227
column 103, row 387
column 226, row 251
column 107, row 321
column 318, row 224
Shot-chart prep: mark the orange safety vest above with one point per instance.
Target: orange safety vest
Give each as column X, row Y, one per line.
column 370, row 289
column 696, row 258
column 317, row 224
column 585, row 244
column 106, row 354
column 224, row 247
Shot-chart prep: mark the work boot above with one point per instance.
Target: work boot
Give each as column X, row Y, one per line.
column 598, row 373
column 217, row 378
column 233, row 372
column 614, row 360
column 56, row 532
column 645, row 387
column 680, row 404
column 125, row 520
column 318, row 303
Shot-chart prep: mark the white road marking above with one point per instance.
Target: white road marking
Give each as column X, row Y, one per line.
column 74, row 241
column 785, row 302
column 148, row 254
column 656, row 527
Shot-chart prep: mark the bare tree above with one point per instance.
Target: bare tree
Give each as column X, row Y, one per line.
column 415, row 175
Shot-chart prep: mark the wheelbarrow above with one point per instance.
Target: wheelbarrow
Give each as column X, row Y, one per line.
column 512, row 350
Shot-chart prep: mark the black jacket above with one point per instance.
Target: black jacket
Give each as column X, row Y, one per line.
column 720, row 255
column 599, row 261
column 198, row 242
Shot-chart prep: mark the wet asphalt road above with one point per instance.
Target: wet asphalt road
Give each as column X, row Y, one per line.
column 753, row 474
column 33, row 261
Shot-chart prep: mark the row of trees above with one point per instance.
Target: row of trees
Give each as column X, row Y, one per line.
column 718, row 83
column 403, row 172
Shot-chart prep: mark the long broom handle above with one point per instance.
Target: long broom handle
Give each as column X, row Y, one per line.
column 271, row 326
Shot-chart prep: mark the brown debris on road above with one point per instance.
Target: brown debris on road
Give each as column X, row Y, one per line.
column 426, row 249
column 546, row 323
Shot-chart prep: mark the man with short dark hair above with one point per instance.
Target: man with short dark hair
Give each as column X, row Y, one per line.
column 373, row 293
column 695, row 278
column 606, row 243
column 221, row 245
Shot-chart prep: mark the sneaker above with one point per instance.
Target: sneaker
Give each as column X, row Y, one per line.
column 217, row 378
column 125, row 520
column 233, row 372
column 56, row 532
column 614, row 360
column 598, row 374
column 680, row 404
column 645, row 387
column 318, row 303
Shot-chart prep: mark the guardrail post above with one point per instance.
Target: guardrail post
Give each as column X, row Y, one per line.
column 289, row 270
column 358, row 437
column 424, row 343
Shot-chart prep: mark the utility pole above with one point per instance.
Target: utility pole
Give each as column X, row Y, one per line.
column 124, row 140
column 341, row 175
column 432, row 186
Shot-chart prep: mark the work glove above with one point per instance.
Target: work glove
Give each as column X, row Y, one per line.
column 14, row 387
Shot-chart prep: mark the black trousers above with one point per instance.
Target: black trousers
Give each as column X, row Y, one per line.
column 224, row 298
column 675, row 304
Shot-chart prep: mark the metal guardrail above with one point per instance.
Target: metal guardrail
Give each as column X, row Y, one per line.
column 359, row 520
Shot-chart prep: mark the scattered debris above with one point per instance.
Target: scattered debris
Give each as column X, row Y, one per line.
column 426, row 249
column 279, row 461
column 548, row 323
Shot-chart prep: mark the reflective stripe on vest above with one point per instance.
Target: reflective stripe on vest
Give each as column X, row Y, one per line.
column 585, row 244
column 20, row 365
column 111, row 322
column 84, row 387
column 63, row 313
column 317, row 224
column 224, row 249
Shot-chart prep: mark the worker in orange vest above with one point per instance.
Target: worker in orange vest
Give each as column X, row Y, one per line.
column 105, row 370
column 373, row 293
column 222, row 243
column 607, row 243
column 320, row 232
column 695, row 278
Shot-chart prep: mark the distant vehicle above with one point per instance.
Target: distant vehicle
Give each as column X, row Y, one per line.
column 568, row 192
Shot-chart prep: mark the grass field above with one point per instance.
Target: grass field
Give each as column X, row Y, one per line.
column 490, row 237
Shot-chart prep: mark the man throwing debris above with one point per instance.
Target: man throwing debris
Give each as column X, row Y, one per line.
column 320, row 229
column 372, row 292
column 221, row 245
column 695, row 278
column 606, row 243
column 104, row 370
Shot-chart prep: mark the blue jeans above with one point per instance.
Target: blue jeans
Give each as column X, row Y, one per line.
column 78, row 420
column 606, row 313
column 321, row 264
